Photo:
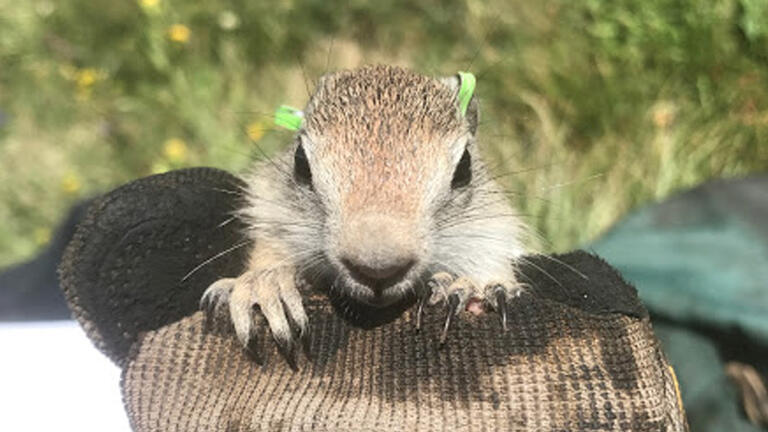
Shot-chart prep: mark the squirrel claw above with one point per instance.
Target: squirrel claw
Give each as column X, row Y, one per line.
column 287, row 349
column 501, row 306
column 216, row 295
column 306, row 343
column 423, row 301
column 254, row 349
column 499, row 295
column 453, row 310
column 460, row 294
column 258, row 296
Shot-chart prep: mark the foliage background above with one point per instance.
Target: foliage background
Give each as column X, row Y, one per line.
column 589, row 108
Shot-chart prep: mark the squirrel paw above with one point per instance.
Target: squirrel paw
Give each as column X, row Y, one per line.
column 259, row 295
column 462, row 294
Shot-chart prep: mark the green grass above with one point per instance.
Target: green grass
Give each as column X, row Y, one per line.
column 591, row 107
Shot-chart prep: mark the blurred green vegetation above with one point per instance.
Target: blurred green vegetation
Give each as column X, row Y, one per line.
column 588, row 108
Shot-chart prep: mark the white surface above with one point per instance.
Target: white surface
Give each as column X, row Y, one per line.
column 53, row 379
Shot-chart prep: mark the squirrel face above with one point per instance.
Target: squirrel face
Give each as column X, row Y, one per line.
column 384, row 150
column 383, row 187
column 381, row 198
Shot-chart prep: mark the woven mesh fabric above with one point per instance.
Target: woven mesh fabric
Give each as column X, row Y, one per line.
column 580, row 353
column 571, row 372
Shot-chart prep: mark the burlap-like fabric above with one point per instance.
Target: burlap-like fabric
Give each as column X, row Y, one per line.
column 580, row 353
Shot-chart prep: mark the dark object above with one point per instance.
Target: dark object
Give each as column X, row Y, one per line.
column 30, row 291
column 700, row 262
column 169, row 231
column 580, row 353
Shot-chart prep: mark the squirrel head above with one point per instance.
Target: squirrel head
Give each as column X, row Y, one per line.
column 384, row 149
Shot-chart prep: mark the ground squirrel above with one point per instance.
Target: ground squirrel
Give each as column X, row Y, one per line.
column 383, row 188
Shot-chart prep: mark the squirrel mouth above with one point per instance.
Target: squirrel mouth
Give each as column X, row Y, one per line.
column 373, row 292
column 379, row 285
column 356, row 286
column 377, row 280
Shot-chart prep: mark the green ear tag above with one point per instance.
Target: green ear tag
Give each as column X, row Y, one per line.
column 289, row 117
column 466, row 90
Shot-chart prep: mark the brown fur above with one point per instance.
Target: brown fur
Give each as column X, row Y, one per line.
column 381, row 129
column 382, row 144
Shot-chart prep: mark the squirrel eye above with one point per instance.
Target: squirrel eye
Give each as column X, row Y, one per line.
column 301, row 171
column 463, row 174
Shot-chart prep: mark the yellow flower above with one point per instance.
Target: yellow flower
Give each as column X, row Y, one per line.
column 42, row 235
column 86, row 77
column 71, row 183
column 175, row 150
column 178, row 33
column 83, row 78
column 151, row 7
column 256, row 130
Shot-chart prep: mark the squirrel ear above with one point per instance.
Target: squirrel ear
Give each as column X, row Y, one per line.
column 463, row 84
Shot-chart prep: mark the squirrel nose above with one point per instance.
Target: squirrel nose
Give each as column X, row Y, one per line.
column 378, row 275
column 378, row 249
